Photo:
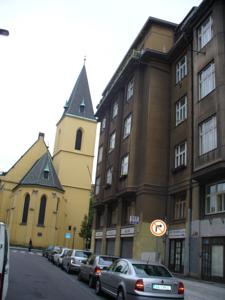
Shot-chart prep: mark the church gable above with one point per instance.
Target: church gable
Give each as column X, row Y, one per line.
column 25, row 162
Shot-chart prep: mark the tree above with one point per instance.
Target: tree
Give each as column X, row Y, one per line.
column 86, row 226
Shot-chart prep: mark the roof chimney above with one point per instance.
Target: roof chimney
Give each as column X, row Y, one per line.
column 41, row 135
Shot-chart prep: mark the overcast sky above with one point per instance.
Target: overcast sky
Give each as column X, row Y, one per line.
column 43, row 55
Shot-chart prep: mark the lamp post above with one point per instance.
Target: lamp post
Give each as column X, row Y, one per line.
column 4, row 32
column 74, row 231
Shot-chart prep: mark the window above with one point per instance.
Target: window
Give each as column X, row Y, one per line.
column 181, row 69
column 124, row 165
column 78, row 139
column 82, row 106
column 109, row 175
column 181, row 155
column 205, row 32
column 46, row 172
column 115, row 110
column 127, row 126
column 206, row 79
column 181, row 110
column 179, row 207
column 112, row 141
column 97, row 185
column 99, row 218
column 207, row 135
column 128, row 211
column 112, row 215
column 215, row 198
column 25, row 209
column 130, row 89
column 103, row 124
column 41, row 217
column 100, row 154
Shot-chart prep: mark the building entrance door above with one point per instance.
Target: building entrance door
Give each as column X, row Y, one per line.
column 176, row 260
column 213, row 259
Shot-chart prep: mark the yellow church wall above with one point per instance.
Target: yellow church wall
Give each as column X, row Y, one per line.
column 41, row 236
column 78, row 205
column 10, row 180
column 66, row 135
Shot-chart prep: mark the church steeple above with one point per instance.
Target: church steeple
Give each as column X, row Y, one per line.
column 80, row 103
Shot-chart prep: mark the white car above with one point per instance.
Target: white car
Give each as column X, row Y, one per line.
column 4, row 260
column 57, row 257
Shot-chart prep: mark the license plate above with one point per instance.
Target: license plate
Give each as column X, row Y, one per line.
column 161, row 287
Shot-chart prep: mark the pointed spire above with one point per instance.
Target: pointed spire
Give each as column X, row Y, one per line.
column 80, row 103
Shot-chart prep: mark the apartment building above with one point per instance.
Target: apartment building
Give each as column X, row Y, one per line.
column 161, row 150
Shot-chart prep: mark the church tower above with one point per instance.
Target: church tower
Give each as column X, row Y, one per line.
column 73, row 159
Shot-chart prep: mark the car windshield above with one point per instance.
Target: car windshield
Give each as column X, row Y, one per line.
column 106, row 261
column 84, row 254
column 145, row 271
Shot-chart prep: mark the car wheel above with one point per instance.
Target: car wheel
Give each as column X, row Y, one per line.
column 120, row 295
column 68, row 269
column 79, row 277
column 91, row 282
column 98, row 289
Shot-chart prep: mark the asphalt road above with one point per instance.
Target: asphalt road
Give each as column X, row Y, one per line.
column 33, row 277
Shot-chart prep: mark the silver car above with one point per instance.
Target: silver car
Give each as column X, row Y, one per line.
column 128, row 279
column 91, row 270
column 73, row 259
column 57, row 257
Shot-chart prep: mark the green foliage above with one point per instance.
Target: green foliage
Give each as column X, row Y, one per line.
column 86, row 226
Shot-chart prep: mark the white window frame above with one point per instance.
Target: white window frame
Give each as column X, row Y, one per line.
column 124, row 165
column 127, row 126
column 130, row 89
column 181, row 110
column 103, row 124
column 208, row 135
column 115, row 110
column 180, row 208
column 97, row 185
column 100, row 154
column 215, row 198
column 112, row 141
column 181, row 155
column 181, row 68
column 109, row 175
column 205, row 32
column 206, row 80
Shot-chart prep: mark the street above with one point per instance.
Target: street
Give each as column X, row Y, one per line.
column 33, row 277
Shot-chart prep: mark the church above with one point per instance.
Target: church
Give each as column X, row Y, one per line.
column 45, row 197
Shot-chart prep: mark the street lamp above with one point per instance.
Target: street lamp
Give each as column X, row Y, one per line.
column 74, row 231
column 4, row 32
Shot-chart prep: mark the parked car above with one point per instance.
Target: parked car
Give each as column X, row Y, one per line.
column 129, row 279
column 57, row 257
column 73, row 259
column 46, row 251
column 90, row 270
column 4, row 260
column 55, row 249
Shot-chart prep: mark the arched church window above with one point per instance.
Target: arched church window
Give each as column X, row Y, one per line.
column 78, row 139
column 25, row 209
column 41, row 217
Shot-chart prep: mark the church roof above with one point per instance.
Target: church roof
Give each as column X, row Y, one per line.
column 80, row 103
column 43, row 174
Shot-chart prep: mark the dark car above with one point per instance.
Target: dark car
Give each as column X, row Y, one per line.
column 130, row 279
column 90, row 270
column 46, row 251
column 55, row 249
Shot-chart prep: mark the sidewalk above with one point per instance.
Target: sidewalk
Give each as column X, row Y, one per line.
column 24, row 249
column 202, row 290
